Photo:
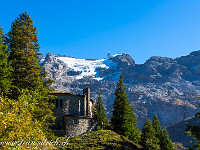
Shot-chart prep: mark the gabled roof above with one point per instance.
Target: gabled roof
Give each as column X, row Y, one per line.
column 67, row 93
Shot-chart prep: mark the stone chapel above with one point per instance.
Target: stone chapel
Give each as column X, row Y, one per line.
column 73, row 113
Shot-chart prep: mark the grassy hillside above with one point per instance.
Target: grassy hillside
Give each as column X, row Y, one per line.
column 102, row 139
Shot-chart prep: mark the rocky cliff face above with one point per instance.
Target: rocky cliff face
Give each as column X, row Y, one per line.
column 165, row 86
column 56, row 69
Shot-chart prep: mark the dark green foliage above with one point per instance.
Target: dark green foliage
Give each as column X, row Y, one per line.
column 148, row 138
column 24, row 52
column 165, row 142
column 153, row 137
column 162, row 135
column 157, row 129
column 100, row 114
column 5, row 66
column 123, row 120
column 156, row 126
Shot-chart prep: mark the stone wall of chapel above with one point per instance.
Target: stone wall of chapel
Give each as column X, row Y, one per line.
column 77, row 126
column 71, row 105
column 90, row 109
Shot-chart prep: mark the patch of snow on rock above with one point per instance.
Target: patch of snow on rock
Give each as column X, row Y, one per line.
column 86, row 67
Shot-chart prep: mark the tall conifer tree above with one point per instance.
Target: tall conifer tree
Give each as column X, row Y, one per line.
column 123, row 120
column 24, row 52
column 100, row 114
column 5, row 66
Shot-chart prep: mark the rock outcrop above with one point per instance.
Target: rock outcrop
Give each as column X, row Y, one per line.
column 57, row 71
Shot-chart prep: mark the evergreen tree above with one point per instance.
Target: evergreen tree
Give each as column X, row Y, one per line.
column 157, row 127
column 100, row 114
column 123, row 120
column 165, row 142
column 148, row 139
column 162, row 135
column 5, row 66
column 24, row 52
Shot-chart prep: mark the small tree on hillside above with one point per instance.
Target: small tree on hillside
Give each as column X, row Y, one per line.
column 156, row 125
column 165, row 142
column 100, row 114
column 162, row 135
column 123, row 120
column 148, row 138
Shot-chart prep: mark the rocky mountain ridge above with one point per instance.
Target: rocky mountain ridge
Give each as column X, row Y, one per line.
column 165, row 86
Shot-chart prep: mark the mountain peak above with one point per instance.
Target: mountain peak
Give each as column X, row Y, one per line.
column 195, row 53
column 122, row 59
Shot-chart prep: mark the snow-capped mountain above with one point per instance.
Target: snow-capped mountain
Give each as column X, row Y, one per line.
column 165, row 86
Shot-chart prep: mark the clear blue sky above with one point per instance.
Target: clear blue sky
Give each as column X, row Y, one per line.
column 91, row 28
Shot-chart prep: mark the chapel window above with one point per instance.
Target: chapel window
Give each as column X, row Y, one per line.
column 56, row 102
column 75, row 121
column 90, row 123
column 61, row 103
